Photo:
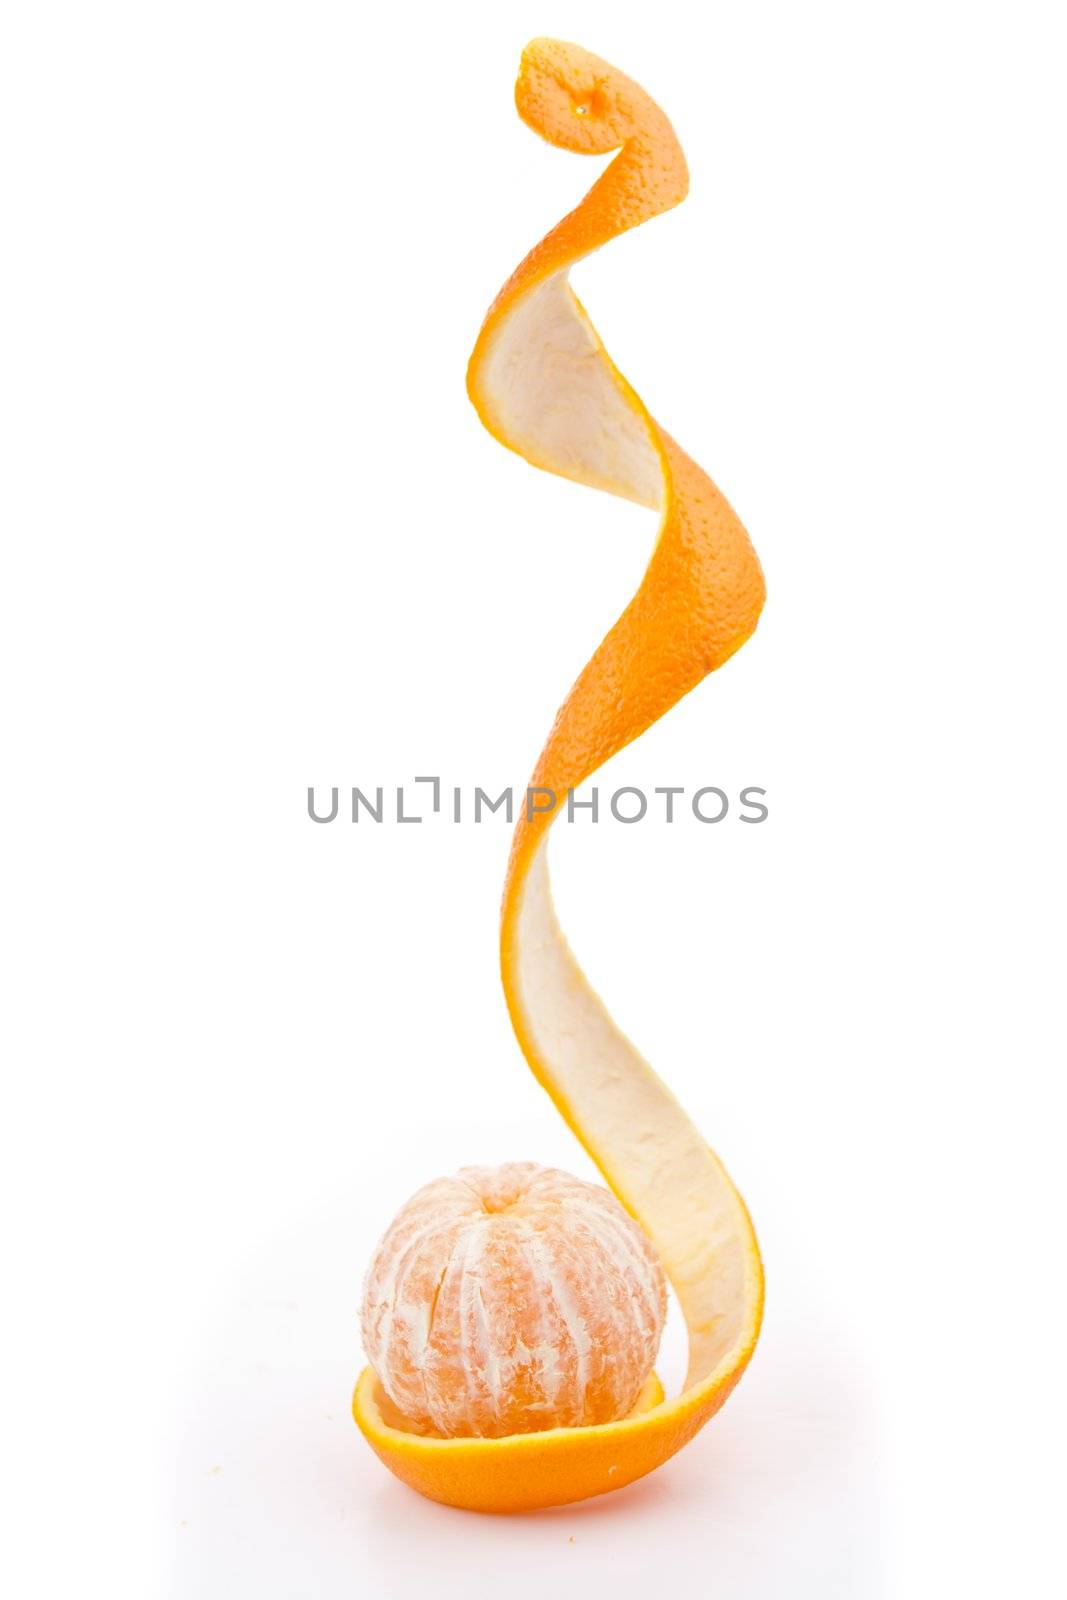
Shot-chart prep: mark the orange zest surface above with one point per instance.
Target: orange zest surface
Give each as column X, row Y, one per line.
column 545, row 387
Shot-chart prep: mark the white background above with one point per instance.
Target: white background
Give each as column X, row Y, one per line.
column 255, row 539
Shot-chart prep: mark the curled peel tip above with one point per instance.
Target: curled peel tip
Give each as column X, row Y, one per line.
column 578, row 101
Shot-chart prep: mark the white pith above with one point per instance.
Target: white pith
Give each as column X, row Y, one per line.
column 554, row 396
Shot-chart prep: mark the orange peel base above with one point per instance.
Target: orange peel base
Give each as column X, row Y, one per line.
column 544, row 386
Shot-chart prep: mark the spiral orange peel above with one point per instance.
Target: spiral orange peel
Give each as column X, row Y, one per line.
column 544, row 386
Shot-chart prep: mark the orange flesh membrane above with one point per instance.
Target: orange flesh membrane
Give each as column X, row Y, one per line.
column 544, row 386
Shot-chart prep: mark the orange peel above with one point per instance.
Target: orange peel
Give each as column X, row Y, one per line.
column 545, row 387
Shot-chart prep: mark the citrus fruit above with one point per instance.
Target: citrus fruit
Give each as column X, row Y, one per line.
column 544, row 386
column 511, row 1299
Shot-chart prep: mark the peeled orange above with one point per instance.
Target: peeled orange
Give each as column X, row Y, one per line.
column 512, row 1299
column 544, row 385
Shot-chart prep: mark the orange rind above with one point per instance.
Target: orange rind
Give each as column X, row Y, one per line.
column 545, row 387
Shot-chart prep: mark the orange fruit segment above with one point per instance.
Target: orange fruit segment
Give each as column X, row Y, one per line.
column 545, row 387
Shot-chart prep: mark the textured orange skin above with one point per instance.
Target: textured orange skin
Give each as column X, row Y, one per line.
column 525, row 1471
column 699, row 600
